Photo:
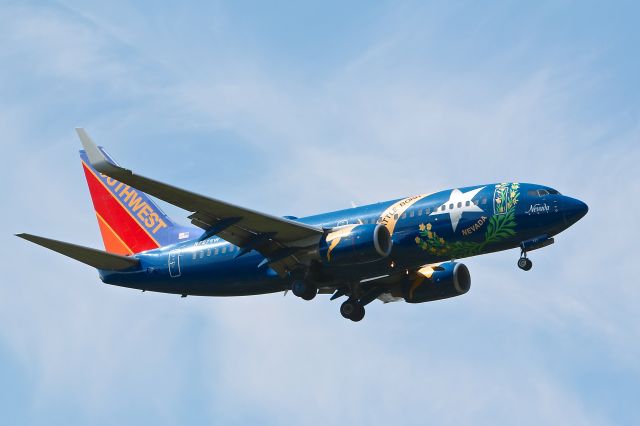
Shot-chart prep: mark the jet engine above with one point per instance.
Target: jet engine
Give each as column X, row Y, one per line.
column 434, row 282
column 355, row 244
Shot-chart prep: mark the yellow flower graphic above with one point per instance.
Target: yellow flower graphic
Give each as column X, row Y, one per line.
column 441, row 240
column 421, row 226
column 429, row 234
column 428, row 227
column 417, row 240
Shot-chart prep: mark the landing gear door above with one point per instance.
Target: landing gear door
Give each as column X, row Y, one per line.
column 174, row 263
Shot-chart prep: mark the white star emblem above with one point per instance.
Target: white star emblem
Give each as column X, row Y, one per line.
column 459, row 203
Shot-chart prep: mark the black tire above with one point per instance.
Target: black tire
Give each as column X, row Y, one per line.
column 347, row 308
column 358, row 314
column 310, row 294
column 299, row 288
column 525, row 264
column 304, row 290
column 352, row 310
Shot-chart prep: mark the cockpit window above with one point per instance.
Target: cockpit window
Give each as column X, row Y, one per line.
column 542, row 192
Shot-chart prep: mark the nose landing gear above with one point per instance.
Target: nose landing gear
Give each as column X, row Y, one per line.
column 524, row 263
column 532, row 244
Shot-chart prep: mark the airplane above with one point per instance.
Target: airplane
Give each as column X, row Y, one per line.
column 404, row 249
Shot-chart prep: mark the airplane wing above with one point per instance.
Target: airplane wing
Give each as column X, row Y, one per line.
column 278, row 239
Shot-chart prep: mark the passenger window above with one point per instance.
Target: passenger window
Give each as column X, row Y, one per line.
column 395, row 216
column 195, row 254
column 468, row 203
column 451, row 206
column 427, row 210
column 411, row 213
column 484, row 201
column 404, row 215
column 224, row 250
column 443, row 207
column 475, row 202
column 209, row 252
column 420, row 212
column 201, row 254
column 459, row 204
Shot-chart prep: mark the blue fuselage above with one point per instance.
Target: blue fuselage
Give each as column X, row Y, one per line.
column 425, row 229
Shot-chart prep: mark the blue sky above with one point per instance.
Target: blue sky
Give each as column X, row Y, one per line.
column 294, row 108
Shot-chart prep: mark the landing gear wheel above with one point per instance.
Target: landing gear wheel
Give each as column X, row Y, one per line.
column 310, row 294
column 304, row 290
column 358, row 314
column 352, row 310
column 524, row 264
column 347, row 308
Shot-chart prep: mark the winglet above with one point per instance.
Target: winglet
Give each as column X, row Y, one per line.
column 98, row 160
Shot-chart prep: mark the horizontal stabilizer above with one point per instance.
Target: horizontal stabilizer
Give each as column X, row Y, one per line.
column 92, row 257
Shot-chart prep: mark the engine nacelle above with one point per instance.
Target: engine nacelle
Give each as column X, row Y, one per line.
column 437, row 282
column 355, row 244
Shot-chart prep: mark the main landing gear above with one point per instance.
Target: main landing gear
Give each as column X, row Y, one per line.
column 304, row 289
column 353, row 307
column 524, row 262
column 352, row 310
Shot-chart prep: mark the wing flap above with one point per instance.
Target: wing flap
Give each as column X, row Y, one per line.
column 90, row 256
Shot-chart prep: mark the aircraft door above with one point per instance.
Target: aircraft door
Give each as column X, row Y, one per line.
column 174, row 263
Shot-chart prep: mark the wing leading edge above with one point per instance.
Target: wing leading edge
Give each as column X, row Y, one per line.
column 278, row 239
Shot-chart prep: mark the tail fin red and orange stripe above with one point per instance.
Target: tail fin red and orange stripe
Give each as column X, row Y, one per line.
column 130, row 222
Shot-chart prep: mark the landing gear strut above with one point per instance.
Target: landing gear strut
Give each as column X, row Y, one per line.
column 524, row 263
column 304, row 289
column 352, row 310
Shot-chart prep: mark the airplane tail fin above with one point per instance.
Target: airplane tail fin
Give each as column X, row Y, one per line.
column 92, row 257
column 130, row 222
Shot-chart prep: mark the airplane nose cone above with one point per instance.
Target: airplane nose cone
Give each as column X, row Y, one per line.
column 574, row 210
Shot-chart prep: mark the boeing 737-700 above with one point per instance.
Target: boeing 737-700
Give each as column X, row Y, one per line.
column 404, row 249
